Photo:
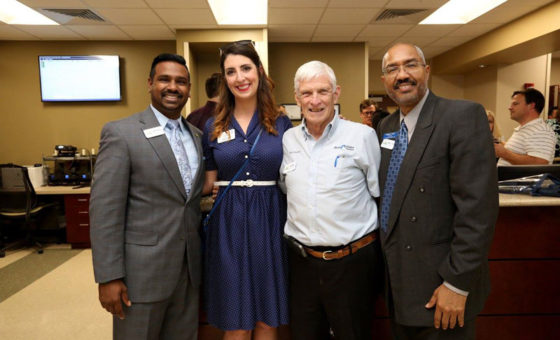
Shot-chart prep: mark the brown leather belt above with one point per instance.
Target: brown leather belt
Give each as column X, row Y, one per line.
column 342, row 252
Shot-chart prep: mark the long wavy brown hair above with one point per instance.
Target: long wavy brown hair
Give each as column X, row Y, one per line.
column 266, row 105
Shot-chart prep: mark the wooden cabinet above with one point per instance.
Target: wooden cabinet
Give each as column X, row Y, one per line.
column 77, row 220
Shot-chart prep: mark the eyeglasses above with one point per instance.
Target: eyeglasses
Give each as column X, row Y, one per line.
column 236, row 43
column 410, row 67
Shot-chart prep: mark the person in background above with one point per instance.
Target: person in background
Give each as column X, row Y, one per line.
column 367, row 109
column 439, row 204
column 494, row 128
column 199, row 116
column 246, row 289
column 533, row 141
column 145, row 213
column 329, row 172
column 554, row 122
column 377, row 116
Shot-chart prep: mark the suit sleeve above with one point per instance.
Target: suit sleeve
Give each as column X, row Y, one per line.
column 108, row 204
column 473, row 184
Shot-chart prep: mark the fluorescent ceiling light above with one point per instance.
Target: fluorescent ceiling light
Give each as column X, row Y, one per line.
column 15, row 13
column 460, row 11
column 239, row 12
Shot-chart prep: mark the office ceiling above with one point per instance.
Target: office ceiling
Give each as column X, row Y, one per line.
column 288, row 21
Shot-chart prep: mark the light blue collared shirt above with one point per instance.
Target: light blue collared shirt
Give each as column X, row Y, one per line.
column 331, row 183
column 186, row 138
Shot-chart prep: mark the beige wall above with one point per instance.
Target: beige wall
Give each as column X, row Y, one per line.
column 30, row 128
column 207, row 64
column 555, row 71
column 481, row 86
column 448, row 85
column 346, row 59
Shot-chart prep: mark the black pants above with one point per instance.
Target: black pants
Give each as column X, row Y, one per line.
column 336, row 294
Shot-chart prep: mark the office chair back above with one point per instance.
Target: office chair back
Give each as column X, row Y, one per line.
column 17, row 195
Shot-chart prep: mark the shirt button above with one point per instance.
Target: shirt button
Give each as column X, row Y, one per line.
column 408, row 247
column 246, row 156
column 413, row 219
column 422, row 189
column 247, row 173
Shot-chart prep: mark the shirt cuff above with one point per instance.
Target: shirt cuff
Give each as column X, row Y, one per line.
column 455, row 289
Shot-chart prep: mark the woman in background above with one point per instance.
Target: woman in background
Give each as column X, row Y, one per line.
column 246, row 279
column 494, row 128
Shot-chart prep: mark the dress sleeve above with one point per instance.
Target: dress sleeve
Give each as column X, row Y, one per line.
column 208, row 146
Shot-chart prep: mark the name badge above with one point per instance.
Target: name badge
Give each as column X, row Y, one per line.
column 154, row 132
column 289, row 167
column 388, row 144
column 227, row 136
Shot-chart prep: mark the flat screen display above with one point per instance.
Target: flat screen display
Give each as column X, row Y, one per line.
column 79, row 78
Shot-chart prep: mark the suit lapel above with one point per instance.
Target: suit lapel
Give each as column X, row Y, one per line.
column 163, row 150
column 414, row 152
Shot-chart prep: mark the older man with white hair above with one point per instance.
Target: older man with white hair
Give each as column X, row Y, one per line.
column 329, row 173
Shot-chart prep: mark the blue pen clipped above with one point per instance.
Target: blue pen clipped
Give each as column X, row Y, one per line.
column 336, row 160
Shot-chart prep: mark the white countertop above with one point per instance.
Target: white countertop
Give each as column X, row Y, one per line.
column 517, row 200
column 61, row 190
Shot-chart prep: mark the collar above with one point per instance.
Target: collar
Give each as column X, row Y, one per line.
column 329, row 129
column 162, row 119
column 412, row 117
column 531, row 122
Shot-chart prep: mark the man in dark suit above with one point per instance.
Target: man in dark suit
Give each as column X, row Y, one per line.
column 145, row 213
column 439, row 204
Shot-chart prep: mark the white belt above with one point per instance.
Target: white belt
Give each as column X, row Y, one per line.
column 247, row 183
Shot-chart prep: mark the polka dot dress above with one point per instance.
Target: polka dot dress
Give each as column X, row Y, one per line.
column 246, row 265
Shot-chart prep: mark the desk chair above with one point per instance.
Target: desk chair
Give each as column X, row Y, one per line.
column 18, row 203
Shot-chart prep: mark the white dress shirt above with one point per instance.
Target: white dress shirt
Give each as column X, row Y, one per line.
column 331, row 183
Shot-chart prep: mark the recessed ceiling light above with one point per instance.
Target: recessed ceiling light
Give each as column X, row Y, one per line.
column 482, row 66
column 460, row 11
column 239, row 12
column 13, row 12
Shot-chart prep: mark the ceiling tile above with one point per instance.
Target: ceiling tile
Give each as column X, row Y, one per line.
column 357, row 3
column 115, row 4
column 290, row 39
column 377, row 42
column 348, row 15
column 148, row 32
column 473, row 30
column 418, row 41
column 177, row 3
column 192, row 16
column 193, row 26
column 344, row 38
column 279, row 16
column 450, row 41
column 9, row 32
column 290, row 30
column 415, row 3
column 53, row 3
column 432, row 30
column 385, row 30
column 338, row 30
column 48, row 32
column 130, row 16
column 100, row 32
column 297, row 3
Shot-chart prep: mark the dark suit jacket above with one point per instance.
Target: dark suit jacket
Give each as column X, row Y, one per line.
column 143, row 225
column 443, row 210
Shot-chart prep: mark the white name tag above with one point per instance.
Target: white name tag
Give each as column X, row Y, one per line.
column 227, row 136
column 289, row 167
column 154, row 132
column 388, row 144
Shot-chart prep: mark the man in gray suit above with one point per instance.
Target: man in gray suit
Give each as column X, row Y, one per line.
column 145, row 213
column 439, row 204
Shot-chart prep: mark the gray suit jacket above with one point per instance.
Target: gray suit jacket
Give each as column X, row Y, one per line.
column 443, row 209
column 143, row 225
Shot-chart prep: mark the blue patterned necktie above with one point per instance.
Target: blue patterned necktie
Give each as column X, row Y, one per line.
column 394, row 165
column 180, row 154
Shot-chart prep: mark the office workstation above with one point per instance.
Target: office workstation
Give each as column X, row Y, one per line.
column 484, row 62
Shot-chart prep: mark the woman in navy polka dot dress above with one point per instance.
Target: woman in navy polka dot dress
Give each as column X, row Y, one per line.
column 246, row 279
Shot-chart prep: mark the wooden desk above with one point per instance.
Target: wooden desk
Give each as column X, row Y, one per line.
column 76, row 211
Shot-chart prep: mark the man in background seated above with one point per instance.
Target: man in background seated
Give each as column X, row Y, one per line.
column 199, row 116
column 533, row 141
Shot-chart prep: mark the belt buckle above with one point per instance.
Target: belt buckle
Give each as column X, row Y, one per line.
column 248, row 183
column 325, row 253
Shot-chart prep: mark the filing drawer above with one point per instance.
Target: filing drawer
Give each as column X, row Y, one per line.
column 77, row 220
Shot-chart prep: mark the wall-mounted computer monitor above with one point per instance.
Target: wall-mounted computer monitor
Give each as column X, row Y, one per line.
column 79, row 78
column 518, row 171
